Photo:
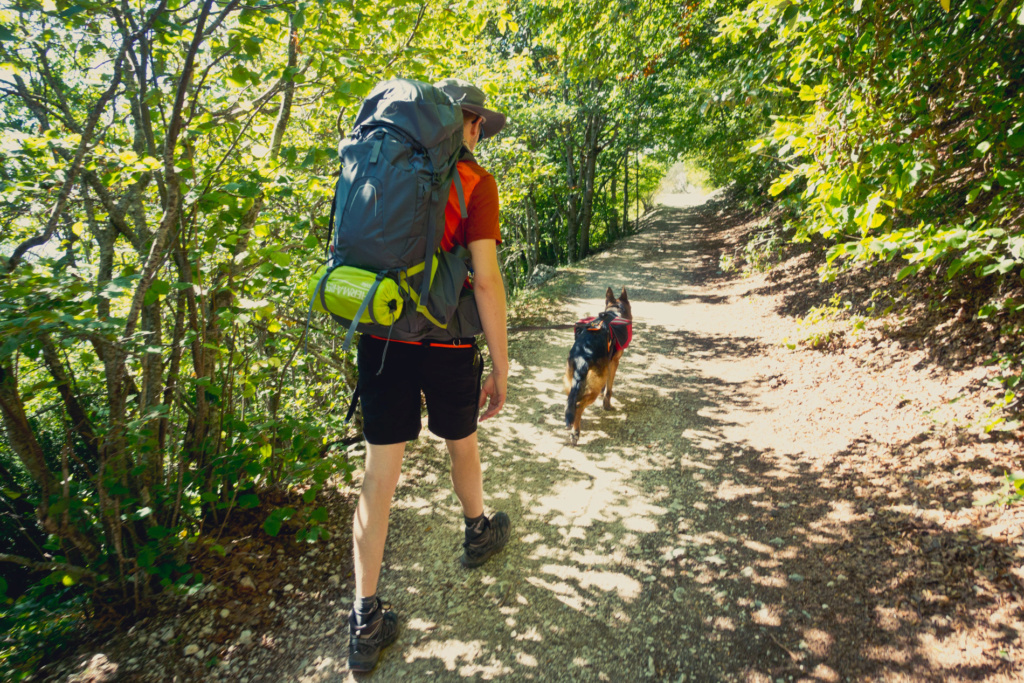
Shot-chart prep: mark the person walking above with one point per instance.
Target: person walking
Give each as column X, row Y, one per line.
column 448, row 371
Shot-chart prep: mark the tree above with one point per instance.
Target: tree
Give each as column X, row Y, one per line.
column 165, row 170
column 579, row 82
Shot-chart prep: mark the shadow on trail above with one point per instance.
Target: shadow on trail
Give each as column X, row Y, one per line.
column 941, row 317
column 677, row 542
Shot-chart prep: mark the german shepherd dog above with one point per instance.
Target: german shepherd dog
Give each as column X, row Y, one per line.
column 593, row 361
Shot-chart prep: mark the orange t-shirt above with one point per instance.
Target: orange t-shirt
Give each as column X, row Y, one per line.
column 481, row 195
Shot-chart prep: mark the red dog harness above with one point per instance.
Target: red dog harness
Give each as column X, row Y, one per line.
column 620, row 329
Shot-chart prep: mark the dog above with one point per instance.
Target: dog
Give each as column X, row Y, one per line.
column 594, row 358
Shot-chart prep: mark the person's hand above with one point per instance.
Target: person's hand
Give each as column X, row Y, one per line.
column 493, row 390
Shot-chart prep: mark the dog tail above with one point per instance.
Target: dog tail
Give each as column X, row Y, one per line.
column 579, row 375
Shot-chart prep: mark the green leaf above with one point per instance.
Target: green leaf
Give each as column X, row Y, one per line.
column 239, row 76
column 275, row 519
column 72, row 11
column 907, row 272
column 280, row 258
column 248, row 500
column 146, row 556
column 10, row 346
column 1016, row 140
column 158, row 532
column 272, row 525
column 362, row 88
column 955, row 267
column 915, row 173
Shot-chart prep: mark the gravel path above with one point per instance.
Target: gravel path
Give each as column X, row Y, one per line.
column 723, row 522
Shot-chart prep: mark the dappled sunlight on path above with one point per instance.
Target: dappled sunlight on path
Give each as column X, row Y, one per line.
column 688, row 536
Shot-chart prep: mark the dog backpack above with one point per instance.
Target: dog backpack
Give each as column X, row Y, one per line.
column 386, row 273
column 620, row 330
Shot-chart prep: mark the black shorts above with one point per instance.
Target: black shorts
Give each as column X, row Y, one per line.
column 448, row 377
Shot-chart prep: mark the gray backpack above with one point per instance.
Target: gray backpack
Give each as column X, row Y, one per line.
column 388, row 213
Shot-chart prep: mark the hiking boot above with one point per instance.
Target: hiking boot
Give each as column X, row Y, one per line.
column 480, row 546
column 366, row 642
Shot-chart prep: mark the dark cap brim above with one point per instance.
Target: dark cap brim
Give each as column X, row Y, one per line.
column 494, row 121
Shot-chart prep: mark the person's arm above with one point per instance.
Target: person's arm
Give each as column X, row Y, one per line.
column 489, row 291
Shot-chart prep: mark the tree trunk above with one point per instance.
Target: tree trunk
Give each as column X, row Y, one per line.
column 533, row 233
column 79, row 419
column 171, row 386
column 149, row 398
column 594, row 128
column 636, row 193
column 20, row 435
column 571, row 204
column 625, row 193
column 613, row 224
column 24, row 443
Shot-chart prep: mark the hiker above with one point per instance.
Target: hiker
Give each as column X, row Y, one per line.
column 448, row 371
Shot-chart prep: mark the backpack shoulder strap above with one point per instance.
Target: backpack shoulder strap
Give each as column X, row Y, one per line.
column 461, row 195
column 336, row 208
column 429, row 266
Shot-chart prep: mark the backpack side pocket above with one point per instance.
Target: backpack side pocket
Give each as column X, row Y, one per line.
column 447, row 286
column 466, row 322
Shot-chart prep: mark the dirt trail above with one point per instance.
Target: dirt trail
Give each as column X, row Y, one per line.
column 692, row 535
column 734, row 518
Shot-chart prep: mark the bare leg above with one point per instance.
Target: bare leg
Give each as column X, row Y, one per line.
column 467, row 479
column 370, row 524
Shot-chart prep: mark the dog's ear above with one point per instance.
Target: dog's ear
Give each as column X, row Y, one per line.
column 623, row 297
column 609, row 296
